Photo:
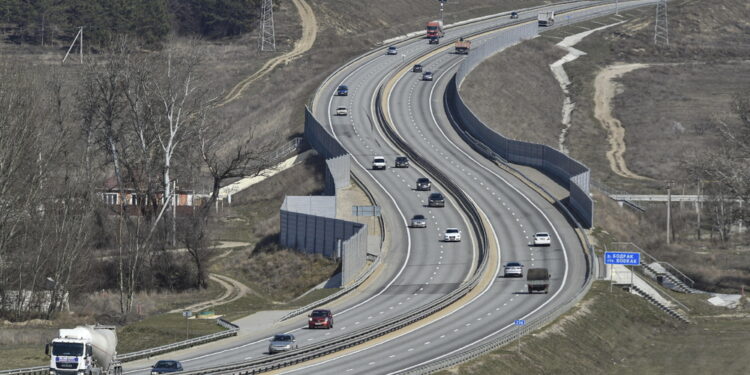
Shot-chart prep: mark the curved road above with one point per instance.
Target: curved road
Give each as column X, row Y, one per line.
column 418, row 267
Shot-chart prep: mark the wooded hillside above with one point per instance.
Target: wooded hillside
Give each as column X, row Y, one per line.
column 56, row 22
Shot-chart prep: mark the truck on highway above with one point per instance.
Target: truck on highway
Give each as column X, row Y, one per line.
column 546, row 18
column 435, row 30
column 89, row 350
column 463, row 46
column 537, row 280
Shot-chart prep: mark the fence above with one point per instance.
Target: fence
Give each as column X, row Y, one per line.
column 554, row 163
column 309, row 224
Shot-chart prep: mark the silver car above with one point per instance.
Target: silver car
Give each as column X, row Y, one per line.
column 282, row 343
column 513, row 269
column 418, row 221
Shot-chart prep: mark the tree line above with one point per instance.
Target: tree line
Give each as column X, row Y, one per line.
column 144, row 120
column 55, row 22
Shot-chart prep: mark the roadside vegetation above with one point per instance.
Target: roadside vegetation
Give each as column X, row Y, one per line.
column 685, row 120
column 620, row 333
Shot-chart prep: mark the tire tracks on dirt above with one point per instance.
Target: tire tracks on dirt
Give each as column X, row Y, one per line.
column 604, row 92
column 309, row 33
column 233, row 290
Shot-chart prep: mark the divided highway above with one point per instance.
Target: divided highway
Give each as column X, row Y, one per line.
column 418, row 267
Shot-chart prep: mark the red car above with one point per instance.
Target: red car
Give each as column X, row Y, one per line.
column 320, row 319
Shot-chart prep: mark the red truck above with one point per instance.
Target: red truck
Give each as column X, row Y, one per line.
column 435, row 30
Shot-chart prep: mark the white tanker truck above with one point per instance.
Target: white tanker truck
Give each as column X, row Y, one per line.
column 84, row 350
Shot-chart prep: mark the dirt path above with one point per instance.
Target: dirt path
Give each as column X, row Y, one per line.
column 233, row 290
column 309, row 33
column 605, row 91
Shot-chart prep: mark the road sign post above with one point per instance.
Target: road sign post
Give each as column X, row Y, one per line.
column 187, row 315
column 520, row 323
column 621, row 258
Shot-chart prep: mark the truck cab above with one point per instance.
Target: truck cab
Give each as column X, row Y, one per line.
column 68, row 356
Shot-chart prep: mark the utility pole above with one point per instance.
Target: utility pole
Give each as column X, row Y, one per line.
column 267, row 33
column 698, row 207
column 442, row 5
column 80, row 45
column 661, row 26
column 669, row 212
column 174, row 213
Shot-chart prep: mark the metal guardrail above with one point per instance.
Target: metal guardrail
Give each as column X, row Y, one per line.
column 323, row 301
column 232, row 330
column 377, row 330
column 147, row 353
column 625, row 246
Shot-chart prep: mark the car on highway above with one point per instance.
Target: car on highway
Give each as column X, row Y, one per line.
column 165, row 367
column 402, row 162
column 513, row 15
column 427, row 76
column 320, row 319
column 341, row 111
column 424, row 184
column 513, row 269
column 436, row 200
column 542, row 239
column 417, row 68
column 392, row 50
column 342, row 90
column 419, row 221
column 378, row 162
column 452, row 235
column 281, row 343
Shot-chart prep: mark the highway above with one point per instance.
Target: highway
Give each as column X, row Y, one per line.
column 418, row 267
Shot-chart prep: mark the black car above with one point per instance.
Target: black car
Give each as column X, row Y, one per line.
column 402, row 162
column 163, row 367
column 417, row 68
column 513, row 15
column 436, row 200
column 424, row 184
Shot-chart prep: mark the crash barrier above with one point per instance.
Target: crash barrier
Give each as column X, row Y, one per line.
column 365, row 334
column 232, row 330
column 564, row 169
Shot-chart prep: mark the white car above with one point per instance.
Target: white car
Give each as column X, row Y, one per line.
column 452, row 235
column 542, row 239
column 341, row 111
column 378, row 162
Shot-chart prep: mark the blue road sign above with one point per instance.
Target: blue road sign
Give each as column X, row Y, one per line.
column 628, row 259
column 520, row 322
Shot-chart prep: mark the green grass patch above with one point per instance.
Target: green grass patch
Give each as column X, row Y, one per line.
column 20, row 356
column 161, row 330
column 619, row 333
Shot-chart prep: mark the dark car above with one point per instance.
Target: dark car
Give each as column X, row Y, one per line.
column 402, row 162
column 320, row 319
column 417, row 68
column 513, row 15
column 163, row 367
column 343, row 90
column 436, row 200
column 424, row 184
column 434, row 40
column 427, row 76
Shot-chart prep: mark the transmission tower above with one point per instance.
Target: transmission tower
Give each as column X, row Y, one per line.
column 661, row 27
column 267, row 34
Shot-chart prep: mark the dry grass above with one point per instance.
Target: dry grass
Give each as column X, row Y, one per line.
column 516, row 94
column 619, row 333
column 254, row 213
